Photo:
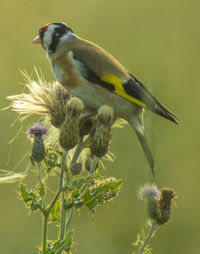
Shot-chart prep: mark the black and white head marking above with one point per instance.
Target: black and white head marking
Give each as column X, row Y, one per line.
column 52, row 34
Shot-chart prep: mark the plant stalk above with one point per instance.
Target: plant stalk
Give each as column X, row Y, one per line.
column 44, row 232
column 149, row 236
column 63, row 200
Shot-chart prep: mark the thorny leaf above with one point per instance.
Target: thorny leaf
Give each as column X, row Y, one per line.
column 55, row 216
column 30, row 197
column 26, row 195
column 52, row 159
column 60, row 246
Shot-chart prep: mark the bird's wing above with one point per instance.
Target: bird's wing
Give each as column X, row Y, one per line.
column 99, row 67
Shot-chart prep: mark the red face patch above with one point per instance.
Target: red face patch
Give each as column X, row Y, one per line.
column 42, row 31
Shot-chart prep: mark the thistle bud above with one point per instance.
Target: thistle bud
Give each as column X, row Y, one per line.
column 58, row 109
column 165, row 201
column 38, row 149
column 76, row 169
column 69, row 130
column 102, row 134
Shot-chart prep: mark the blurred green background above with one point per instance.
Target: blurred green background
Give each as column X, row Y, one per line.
column 159, row 42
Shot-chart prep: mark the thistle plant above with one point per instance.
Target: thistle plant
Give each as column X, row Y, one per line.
column 159, row 205
column 68, row 143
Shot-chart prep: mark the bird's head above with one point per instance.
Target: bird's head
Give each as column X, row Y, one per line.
column 52, row 35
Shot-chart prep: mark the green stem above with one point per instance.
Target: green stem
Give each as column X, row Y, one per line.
column 63, row 199
column 62, row 217
column 40, row 178
column 39, row 174
column 77, row 152
column 63, row 166
column 44, row 215
column 150, row 234
column 69, row 218
column 44, row 232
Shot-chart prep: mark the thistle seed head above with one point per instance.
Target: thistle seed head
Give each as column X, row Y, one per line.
column 100, row 139
column 69, row 130
column 58, row 108
column 42, row 98
column 165, row 202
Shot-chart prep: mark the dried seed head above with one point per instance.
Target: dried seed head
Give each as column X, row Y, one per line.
column 69, row 130
column 100, row 139
column 43, row 98
column 165, row 201
column 38, row 149
column 58, row 109
column 167, row 195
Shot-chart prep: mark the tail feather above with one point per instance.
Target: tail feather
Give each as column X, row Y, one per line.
column 136, row 124
column 154, row 105
column 164, row 112
column 147, row 151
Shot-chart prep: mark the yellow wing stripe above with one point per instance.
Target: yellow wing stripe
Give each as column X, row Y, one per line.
column 117, row 82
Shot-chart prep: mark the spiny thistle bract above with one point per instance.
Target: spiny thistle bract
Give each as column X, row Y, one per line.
column 102, row 133
column 69, row 130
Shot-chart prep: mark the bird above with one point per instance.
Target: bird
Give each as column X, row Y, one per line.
column 91, row 73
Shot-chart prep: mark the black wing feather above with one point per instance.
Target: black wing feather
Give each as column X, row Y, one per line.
column 132, row 87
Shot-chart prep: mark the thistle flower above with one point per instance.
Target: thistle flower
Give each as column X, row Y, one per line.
column 100, row 139
column 149, row 191
column 37, row 130
column 38, row 149
column 158, row 202
column 69, row 130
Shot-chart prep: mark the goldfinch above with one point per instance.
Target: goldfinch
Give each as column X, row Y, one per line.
column 92, row 74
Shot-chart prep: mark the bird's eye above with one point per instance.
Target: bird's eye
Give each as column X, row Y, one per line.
column 41, row 32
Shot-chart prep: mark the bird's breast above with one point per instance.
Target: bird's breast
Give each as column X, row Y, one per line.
column 65, row 71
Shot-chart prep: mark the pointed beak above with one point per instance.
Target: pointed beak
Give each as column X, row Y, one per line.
column 37, row 40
